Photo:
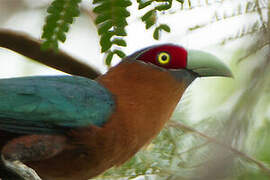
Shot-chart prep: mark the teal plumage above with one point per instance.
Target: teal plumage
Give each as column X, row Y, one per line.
column 52, row 104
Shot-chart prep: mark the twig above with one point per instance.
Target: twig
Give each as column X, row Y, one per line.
column 30, row 47
column 253, row 50
column 194, row 148
column 211, row 139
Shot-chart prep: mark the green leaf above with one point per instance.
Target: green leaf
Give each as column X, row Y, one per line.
column 102, row 8
column 117, row 13
column 64, row 27
column 68, row 19
column 103, row 28
column 98, row 1
column 120, row 53
column 163, row 7
column 149, row 23
column 105, row 47
column 144, row 4
column 105, row 42
column 165, row 27
column 108, row 59
column 50, row 44
column 57, row 4
column 107, row 6
column 121, row 12
column 148, row 15
column 102, row 17
column 123, row 3
column 53, row 9
column 61, row 36
column 48, row 30
column 73, row 3
column 53, row 18
column 73, row 12
column 156, row 34
column 47, row 34
column 120, row 22
column 120, row 31
column 119, row 42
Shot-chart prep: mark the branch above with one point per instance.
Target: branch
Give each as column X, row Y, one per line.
column 194, row 148
column 30, row 47
column 253, row 50
column 213, row 140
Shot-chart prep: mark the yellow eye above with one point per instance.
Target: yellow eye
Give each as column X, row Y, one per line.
column 163, row 58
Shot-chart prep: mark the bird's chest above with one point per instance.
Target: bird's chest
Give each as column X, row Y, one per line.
column 135, row 122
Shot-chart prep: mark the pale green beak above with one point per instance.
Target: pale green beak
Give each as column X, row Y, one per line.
column 206, row 64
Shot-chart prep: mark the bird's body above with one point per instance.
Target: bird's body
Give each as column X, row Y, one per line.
column 127, row 108
column 128, row 129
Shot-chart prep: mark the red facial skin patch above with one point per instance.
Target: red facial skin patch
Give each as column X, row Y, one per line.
column 178, row 56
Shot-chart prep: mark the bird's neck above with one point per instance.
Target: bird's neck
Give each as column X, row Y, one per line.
column 133, row 78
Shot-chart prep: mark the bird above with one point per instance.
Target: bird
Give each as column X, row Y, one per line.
column 71, row 127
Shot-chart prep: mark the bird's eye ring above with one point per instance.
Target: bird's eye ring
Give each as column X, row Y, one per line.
column 163, row 58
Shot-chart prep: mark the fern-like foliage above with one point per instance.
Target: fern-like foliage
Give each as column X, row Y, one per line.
column 61, row 15
column 112, row 14
column 151, row 16
column 111, row 21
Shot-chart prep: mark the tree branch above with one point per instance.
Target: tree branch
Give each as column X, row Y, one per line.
column 30, row 47
column 213, row 140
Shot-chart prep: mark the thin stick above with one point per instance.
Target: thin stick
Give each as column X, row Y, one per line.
column 211, row 139
column 30, row 47
column 194, row 148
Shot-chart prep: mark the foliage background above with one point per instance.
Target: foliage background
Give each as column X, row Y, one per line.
column 230, row 118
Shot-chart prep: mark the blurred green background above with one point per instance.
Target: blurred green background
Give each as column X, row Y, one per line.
column 221, row 127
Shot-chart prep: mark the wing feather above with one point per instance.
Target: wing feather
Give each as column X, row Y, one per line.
column 51, row 104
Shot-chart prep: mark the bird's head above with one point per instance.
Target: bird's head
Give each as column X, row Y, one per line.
column 181, row 62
